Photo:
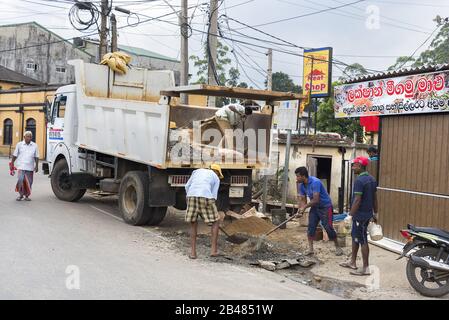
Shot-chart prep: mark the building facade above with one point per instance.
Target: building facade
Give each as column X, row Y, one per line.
column 38, row 53
column 23, row 110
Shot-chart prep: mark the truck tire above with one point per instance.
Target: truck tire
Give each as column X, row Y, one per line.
column 157, row 215
column 61, row 183
column 133, row 198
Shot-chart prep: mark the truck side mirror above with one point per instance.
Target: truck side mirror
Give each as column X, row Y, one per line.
column 47, row 110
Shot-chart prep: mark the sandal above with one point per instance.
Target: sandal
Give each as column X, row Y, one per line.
column 339, row 252
column 347, row 265
column 360, row 272
column 192, row 256
column 19, row 198
column 27, row 199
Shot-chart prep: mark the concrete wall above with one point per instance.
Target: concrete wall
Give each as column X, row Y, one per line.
column 298, row 158
column 47, row 56
column 7, row 85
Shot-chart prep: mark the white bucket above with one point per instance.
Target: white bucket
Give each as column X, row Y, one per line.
column 375, row 231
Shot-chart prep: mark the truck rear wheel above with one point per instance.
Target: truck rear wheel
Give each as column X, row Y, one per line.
column 157, row 215
column 133, row 198
column 61, row 183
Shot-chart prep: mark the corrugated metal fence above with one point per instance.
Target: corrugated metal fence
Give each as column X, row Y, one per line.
column 414, row 172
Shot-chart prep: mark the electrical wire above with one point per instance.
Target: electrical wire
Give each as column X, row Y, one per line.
column 77, row 13
column 308, row 14
column 411, row 56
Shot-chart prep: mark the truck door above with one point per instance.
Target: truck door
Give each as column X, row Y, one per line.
column 55, row 127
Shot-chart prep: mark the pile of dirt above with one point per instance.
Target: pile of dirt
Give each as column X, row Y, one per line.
column 252, row 226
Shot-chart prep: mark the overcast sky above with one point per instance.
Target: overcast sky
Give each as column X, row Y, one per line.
column 370, row 32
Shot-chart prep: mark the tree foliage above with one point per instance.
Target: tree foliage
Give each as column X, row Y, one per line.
column 227, row 75
column 437, row 53
column 283, row 82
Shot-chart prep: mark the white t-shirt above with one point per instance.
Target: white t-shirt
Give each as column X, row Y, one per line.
column 26, row 154
column 227, row 114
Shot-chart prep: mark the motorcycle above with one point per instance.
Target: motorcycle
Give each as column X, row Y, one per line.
column 427, row 250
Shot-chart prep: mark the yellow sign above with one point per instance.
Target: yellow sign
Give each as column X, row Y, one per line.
column 317, row 72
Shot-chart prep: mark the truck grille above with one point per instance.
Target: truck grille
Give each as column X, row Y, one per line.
column 239, row 181
column 178, row 180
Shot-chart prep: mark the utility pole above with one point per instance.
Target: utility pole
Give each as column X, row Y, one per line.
column 212, row 47
column 114, row 47
column 270, row 88
column 184, row 49
column 270, row 70
column 103, row 29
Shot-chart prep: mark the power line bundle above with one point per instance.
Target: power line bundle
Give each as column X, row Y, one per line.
column 83, row 15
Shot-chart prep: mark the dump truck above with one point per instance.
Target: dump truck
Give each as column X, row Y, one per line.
column 124, row 134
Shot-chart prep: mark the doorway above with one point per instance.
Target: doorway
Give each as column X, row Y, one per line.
column 321, row 167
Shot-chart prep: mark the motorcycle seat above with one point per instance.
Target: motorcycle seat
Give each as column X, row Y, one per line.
column 434, row 231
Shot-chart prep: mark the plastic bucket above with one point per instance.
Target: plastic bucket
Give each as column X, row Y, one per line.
column 375, row 231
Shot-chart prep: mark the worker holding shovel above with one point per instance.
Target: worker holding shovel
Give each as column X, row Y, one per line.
column 202, row 192
column 320, row 206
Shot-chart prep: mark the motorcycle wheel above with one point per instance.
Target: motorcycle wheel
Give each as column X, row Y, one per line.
column 428, row 282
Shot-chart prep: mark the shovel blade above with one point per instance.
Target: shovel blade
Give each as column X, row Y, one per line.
column 236, row 239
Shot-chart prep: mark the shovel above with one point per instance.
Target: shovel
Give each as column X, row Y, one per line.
column 233, row 238
column 263, row 237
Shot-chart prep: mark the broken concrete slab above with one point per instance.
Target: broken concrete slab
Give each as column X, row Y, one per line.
column 306, row 263
column 268, row 265
column 283, row 264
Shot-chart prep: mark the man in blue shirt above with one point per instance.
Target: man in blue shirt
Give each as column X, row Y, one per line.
column 363, row 209
column 202, row 192
column 320, row 204
column 373, row 154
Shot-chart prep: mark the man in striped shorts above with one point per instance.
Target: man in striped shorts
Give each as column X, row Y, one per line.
column 202, row 192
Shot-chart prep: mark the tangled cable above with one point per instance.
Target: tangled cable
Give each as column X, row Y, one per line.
column 83, row 15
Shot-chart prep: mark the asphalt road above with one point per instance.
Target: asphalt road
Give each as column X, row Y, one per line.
column 51, row 249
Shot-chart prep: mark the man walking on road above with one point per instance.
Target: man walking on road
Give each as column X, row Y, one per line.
column 202, row 192
column 320, row 204
column 27, row 156
column 363, row 206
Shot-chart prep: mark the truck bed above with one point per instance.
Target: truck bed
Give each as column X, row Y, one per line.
column 124, row 116
column 120, row 115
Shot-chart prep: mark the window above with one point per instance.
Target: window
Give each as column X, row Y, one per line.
column 60, row 69
column 32, row 66
column 58, row 110
column 31, row 126
column 7, row 132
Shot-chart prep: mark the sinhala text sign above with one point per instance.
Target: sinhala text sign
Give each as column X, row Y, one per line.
column 421, row 93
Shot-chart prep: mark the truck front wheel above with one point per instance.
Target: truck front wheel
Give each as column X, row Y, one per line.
column 61, row 183
column 133, row 198
column 157, row 215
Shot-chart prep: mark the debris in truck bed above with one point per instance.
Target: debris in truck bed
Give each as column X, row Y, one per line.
column 253, row 226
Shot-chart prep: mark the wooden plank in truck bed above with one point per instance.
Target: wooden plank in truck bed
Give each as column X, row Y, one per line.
column 239, row 93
